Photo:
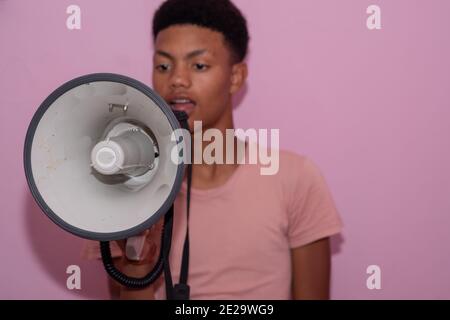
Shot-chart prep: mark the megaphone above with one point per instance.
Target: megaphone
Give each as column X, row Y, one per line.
column 99, row 161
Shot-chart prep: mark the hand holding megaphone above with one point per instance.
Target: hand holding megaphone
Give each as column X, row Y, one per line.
column 138, row 247
column 141, row 251
column 142, row 248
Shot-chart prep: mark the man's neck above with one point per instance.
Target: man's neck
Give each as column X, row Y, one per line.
column 206, row 176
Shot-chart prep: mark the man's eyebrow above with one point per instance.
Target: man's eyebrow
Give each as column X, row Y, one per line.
column 195, row 53
column 190, row 55
column 163, row 53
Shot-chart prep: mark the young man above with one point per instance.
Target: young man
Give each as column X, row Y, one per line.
column 251, row 236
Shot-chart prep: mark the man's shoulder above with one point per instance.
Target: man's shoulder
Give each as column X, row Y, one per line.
column 291, row 157
column 295, row 167
column 292, row 162
column 284, row 163
column 280, row 163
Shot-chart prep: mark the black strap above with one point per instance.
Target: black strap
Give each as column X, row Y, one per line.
column 167, row 240
column 185, row 261
column 180, row 291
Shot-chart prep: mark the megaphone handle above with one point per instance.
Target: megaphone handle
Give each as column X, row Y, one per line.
column 135, row 247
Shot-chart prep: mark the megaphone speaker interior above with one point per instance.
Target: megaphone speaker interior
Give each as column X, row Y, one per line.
column 98, row 154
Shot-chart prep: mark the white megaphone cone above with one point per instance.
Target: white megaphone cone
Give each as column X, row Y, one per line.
column 98, row 158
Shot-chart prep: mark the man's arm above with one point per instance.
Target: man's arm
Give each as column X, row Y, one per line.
column 311, row 271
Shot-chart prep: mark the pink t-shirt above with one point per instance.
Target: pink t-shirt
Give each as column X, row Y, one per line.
column 242, row 233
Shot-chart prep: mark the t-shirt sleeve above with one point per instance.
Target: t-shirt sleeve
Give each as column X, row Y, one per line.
column 312, row 213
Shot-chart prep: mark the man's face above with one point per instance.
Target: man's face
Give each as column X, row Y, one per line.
column 193, row 72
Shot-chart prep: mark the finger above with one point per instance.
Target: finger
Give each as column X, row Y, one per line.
column 121, row 244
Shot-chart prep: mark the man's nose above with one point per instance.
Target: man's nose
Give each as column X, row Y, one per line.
column 180, row 78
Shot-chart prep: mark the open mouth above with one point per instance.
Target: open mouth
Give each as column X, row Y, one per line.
column 185, row 105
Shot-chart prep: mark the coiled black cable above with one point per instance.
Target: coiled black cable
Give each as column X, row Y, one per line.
column 132, row 282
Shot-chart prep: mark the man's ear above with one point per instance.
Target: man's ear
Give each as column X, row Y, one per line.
column 239, row 74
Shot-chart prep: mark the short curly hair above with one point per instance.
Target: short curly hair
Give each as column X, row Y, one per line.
column 218, row 15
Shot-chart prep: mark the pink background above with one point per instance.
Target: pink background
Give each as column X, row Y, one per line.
column 372, row 108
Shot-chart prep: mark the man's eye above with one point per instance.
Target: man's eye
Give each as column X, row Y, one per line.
column 162, row 67
column 200, row 66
